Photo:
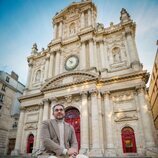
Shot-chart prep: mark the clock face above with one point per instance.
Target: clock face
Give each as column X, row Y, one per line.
column 71, row 63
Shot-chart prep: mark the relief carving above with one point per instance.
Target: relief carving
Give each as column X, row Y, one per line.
column 31, row 126
column 32, row 108
column 122, row 97
column 125, row 117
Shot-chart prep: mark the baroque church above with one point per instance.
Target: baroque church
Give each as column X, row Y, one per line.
column 96, row 73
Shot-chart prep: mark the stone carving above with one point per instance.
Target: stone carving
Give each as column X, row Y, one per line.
column 116, row 53
column 68, row 79
column 30, row 126
column 122, row 97
column 125, row 117
column 34, row 49
column 100, row 27
column 72, row 29
column 32, row 108
column 38, row 76
column 68, row 98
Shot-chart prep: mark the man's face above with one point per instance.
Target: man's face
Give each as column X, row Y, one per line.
column 59, row 112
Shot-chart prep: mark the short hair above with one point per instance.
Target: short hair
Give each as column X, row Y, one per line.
column 58, row 105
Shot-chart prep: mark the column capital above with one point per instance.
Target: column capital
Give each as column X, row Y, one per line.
column 30, row 64
column 84, row 93
column 47, row 100
column 53, row 99
column 93, row 92
column 140, row 88
column 105, row 93
column 47, row 56
column 128, row 33
column 22, row 108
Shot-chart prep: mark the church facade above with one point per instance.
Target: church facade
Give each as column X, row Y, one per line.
column 96, row 73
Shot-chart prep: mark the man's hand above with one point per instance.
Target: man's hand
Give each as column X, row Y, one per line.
column 72, row 152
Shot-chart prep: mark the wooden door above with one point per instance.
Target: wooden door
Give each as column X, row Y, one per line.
column 30, row 142
column 128, row 140
column 72, row 116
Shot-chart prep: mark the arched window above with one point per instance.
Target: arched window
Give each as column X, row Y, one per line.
column 128, row 140
column 72, row 116
column 30, row 142
column 38, row 76
column 116, row 53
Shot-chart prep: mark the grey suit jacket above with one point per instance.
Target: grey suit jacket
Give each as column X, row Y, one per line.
column 50, row 139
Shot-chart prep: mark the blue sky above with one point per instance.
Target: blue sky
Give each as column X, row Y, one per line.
column 24, row 22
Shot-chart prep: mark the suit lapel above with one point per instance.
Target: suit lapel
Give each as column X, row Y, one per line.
column 56, row 128
column 66, row 132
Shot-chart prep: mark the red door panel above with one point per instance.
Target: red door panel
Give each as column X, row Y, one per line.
column 128, row 140
column 72, row 117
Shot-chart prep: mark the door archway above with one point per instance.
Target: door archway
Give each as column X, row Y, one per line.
column 128, row 140
column 72, row 116
column 30, row 142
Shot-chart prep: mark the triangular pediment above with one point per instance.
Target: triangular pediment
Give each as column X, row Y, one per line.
column 68, row 79
column 71, row 6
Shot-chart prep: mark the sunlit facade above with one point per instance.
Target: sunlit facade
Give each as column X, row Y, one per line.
column 153, row 91
column 96, row 73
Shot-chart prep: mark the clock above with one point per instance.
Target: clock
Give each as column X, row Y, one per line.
column 71, row 62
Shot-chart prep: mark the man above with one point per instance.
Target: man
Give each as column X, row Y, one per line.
column 58, row 137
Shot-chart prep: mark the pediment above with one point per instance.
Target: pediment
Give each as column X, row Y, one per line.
column 68, row 79
column 72, row 6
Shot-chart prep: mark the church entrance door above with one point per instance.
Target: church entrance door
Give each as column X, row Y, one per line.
column 72, row 116
column 128, row 140
column 30, row 142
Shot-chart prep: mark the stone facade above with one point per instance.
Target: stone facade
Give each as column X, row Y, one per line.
column 153, row 91
column 95, row 70
column 10, row 90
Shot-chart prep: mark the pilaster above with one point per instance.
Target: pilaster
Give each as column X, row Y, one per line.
column 145, row 117
column 46, row 67
column 96, row 147
column 50, row 73
column 84, row 125
column 109, row 151
column 46, row 109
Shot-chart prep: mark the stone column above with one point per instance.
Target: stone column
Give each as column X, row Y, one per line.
column 60, row 29
column 131, row 48
column 57, row 62
column 146, row 119
column 89, row 17
column 50, row 72
column 95, row 55
column 53, row 102
column 84, row 125
column 106, row 55
column 83, row 56
column 96, row 147
column 100, row 112
column 46, row 109
column 61, row 63
column 46, row 68
column 55, row 31
column 40, row 117
column 29, row 75
column 109, row 151
column 82, row 20
column 91, row 53
column 102, row 54
column 17, row 148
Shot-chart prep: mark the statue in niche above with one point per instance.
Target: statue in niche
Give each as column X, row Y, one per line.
column 38, row 76
column 72, row 29
column 116, row 55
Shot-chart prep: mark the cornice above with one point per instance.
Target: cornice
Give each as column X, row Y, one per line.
column 30, row 96
column 142, row 75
